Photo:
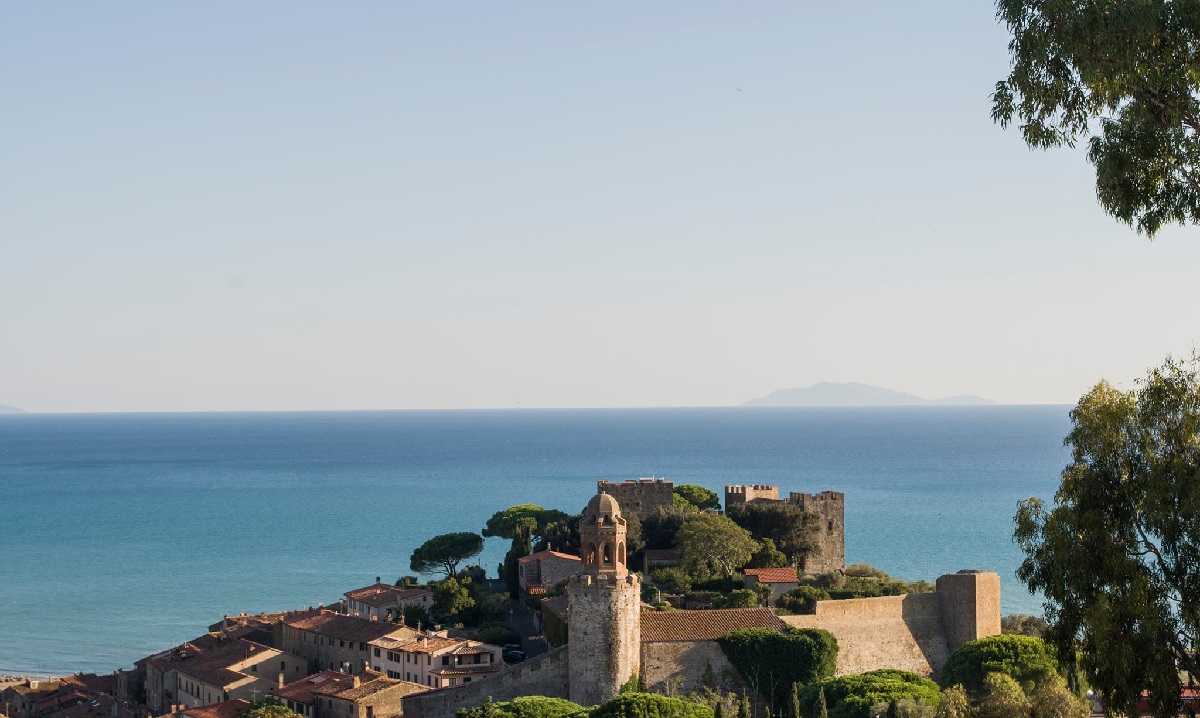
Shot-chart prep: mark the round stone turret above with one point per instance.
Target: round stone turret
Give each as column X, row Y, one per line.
column 604, row 599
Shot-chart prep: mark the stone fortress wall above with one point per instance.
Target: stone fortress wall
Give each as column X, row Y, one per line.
column 544, row 675
column 916, row 632
column 642, row 496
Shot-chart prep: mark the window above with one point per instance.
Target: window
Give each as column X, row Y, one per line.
column 283, row 665
column 467, row 679
column 445, row 660
column 254, row 668
column 377, row 653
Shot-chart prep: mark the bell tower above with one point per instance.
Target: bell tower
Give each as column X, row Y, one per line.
column 604, row 633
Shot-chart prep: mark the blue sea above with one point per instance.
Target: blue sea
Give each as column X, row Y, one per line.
column 124, row 534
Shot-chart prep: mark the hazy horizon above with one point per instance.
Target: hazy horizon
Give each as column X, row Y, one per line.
column 291, row 206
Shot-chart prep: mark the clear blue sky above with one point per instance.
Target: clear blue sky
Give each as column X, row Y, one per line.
column 380, row 205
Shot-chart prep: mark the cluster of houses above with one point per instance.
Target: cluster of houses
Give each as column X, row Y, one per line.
column 350, row 660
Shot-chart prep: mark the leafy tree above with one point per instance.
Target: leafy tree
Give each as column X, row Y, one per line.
column 768, row 556
column 649, row 705
column 661, row 526
column 672, row 579
column 698, row 496
column 1118, row 556
column 560, row 535
column 955, row 703
column 1123, row 75
column 803, row 599
column 444, row 553
column 522, row 546
column 524, row 707
column 738, row 598
column 770, row 661
column 1055, row 700
column 504, row 523
column 1028, row 660
column 269, row 707
column 497, row 634
column 413, row 615
column 853, row 696
column 791, row 528
column 1002, row 698
column 1023, row 625
column 452, row 601
column 408, row 582
column 709, row 543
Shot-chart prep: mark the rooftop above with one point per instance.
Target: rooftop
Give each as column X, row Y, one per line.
column 543, row 555
column 350, row 628
column 227, row 709
column 773, row 575
column 659, row 626
column 305, row 690
column 381, row 594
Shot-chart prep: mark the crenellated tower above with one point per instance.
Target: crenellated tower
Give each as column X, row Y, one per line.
column 604, row 634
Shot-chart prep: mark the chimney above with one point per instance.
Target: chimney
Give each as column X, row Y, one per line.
column 377, row 579
column 281, row 679
column 357, row 681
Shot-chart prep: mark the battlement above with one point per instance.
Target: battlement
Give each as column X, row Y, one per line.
column 640, row 496
column 741, row 494
column 584, row 581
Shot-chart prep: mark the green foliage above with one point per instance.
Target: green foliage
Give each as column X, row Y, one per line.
column 270, row 707
column 768, row 556
column 554, row 628
column 738, row 598
column 1118, row 556
column 770, row 662
column 853, row 696
column 1055, row 700
column 497, row 634
column 1002, row 698
column 524, row 707
column 504, row 524
column 633, row 685
column 711, row 544
column 672, row 579
column 955, row 703
column 452, row 601
column 561, row 535
column 522, row 546
column 649, row 705
column 803, row 600
column 1028, row 660
column 792, row 529
column 1124, row 76
column 659, row 528
column 1023, row 625
column 698, row 496
column 408, row 582
column 444, row 553
column 822, row 708
column 863, row 581
column 414, row 615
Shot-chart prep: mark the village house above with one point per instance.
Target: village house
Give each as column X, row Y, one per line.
column 332, row 694
column 235, row 669
column 227, row 709
column 780, row 580
column 21, row 700
column 539, row 572
column 436, row 661
column 382, row 602
column 329, row 640
column 161, row 673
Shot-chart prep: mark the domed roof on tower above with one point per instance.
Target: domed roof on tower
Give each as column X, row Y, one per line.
column 602, row 537
column 602, row 505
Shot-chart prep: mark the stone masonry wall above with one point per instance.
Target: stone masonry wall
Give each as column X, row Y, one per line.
column 741, row 494
column 662, row 661
column 642, row 497
column 917, row 632
column 830, row 509
column 544, row 675
column 604, row 644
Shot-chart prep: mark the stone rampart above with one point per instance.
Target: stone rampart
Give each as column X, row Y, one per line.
column 917, row 632
column 642, row 497
column 742, row 494
column 544, row 675
column 662, row 661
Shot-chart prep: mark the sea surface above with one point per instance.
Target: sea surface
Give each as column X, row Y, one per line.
column 124, row 534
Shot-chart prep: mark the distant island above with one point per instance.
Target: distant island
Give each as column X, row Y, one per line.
column 852, row 393
column 4, row 409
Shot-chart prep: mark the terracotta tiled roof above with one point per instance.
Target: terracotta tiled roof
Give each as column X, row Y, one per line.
column 381, row 594
column 372, row 683
column 430, row 645
column 324, row 682
column 543, row 555
column 703, row 625
column 93, row 682
column 350, row 628
column 228, row 709
column 470, row 648
column 773, row 575
column 213, row 667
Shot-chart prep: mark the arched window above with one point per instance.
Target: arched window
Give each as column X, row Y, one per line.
column 606, row 550
column 831, row 525
column 591, row 554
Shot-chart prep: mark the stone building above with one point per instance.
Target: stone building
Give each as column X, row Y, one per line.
column 539, row 572
column 332, row 694
column 605, row 603
column 381, row 602
column 779, row 580
column 235, row 669
column 329, row 640
column 828, row 506
column 642, row 497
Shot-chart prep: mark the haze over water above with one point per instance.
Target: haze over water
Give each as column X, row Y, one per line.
column 123, row 534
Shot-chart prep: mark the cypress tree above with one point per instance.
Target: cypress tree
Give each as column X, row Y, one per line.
column 796, row 701
column 822, row 708
column 744, row 707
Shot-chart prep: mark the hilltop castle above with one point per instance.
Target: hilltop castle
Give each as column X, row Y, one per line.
column 828, row 506
column 611, row 639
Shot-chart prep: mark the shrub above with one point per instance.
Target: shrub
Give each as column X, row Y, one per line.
column 649, row 705
column 772, row 661
column 537, row 707
column 672, row 579
column 854, row 696
column 803, row 600
column 1029, row 661
column 497, row 634
column 738, row 598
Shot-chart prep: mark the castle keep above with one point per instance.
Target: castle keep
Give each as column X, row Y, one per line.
column 642, row 497
column 828, row 506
